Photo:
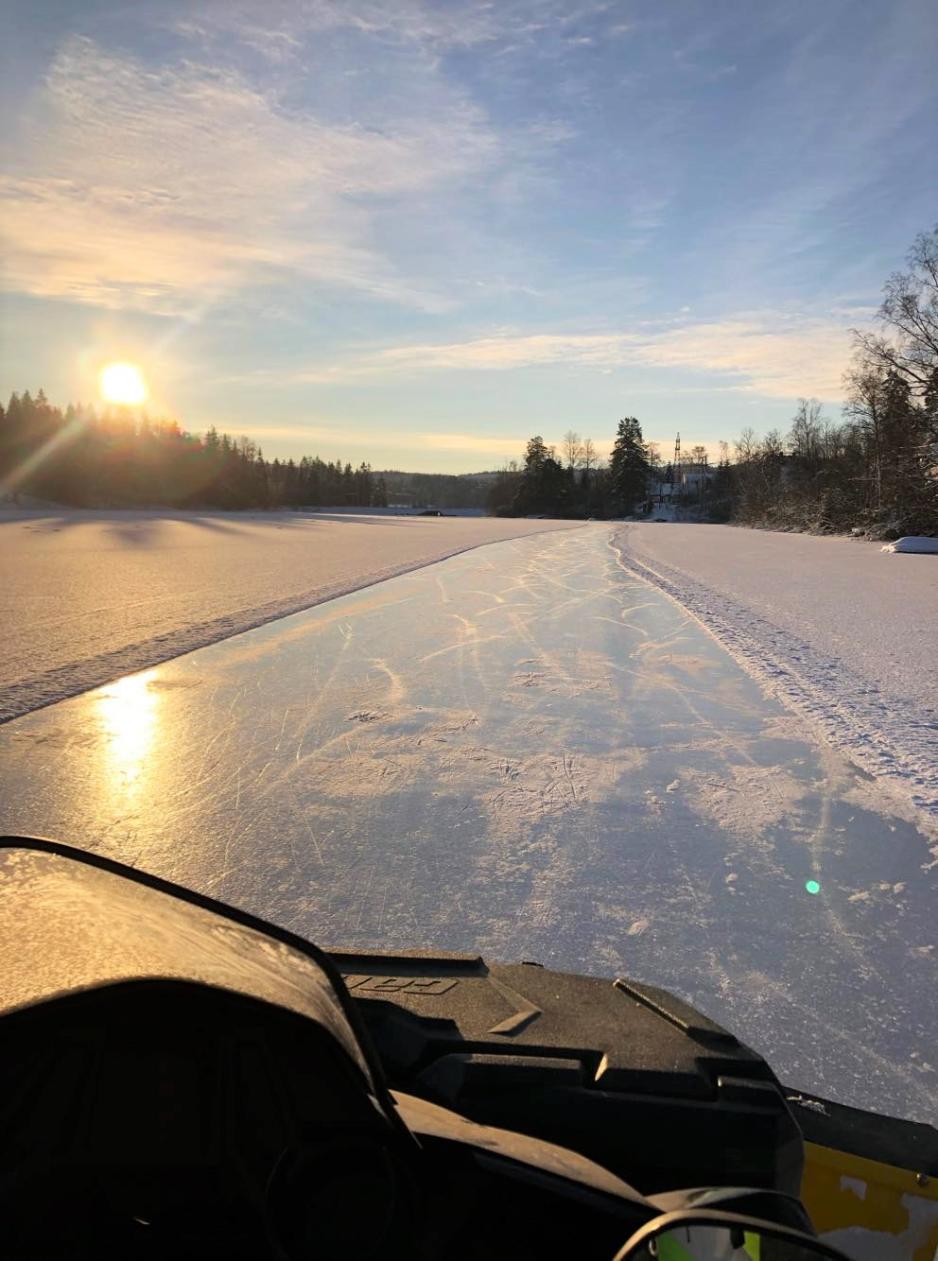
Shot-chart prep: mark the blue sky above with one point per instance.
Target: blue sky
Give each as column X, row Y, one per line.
column 419, row 233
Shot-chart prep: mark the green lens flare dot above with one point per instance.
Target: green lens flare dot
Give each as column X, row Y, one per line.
column 812, row 886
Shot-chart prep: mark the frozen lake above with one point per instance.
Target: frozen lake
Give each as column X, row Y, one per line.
column 530, row 751
column 841, row 631
column 86, row 596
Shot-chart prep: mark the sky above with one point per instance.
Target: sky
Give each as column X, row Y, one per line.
column 416, row 234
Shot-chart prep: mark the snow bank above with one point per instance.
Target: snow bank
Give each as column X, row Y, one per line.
column 914, row 543
column 826, row 625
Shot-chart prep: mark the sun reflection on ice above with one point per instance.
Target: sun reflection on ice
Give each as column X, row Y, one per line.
column 129, row 713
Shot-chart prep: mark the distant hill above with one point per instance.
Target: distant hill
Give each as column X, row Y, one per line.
column 437, row 490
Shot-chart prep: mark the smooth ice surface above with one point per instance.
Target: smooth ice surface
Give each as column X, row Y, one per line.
column 87, row 596
column 846, row 634
column 528, row 751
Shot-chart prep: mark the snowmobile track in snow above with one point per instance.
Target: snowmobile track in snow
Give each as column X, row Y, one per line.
column 890, row 739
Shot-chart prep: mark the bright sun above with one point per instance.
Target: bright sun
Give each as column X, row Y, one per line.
column 123, row 383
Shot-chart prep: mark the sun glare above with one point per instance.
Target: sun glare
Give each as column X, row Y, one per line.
column 129, row 711
column 123, row 383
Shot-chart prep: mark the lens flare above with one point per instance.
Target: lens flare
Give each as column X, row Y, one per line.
column 123, row 383
column 812, row 886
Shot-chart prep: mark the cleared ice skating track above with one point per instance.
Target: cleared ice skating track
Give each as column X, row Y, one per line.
column 527, row 751
column 88, row 596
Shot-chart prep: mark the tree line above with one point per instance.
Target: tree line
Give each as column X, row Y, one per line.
column 575, row 482
column 437, row 490
column 111, row 458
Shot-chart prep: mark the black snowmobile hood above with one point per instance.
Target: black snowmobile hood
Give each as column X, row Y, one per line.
column 71, row 921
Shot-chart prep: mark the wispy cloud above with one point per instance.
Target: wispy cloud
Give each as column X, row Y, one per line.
column 150, row 187
column 771, row 354
column 777, row 356
column 573, row 200
column 435, row 26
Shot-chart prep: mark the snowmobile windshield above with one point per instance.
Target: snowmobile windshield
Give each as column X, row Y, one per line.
column 69, row 926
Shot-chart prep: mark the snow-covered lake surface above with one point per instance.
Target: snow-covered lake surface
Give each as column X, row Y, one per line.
column 531, row 751
column 842, row 631
column 87, row 596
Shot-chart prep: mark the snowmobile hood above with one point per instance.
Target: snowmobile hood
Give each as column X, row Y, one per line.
column 72, row 921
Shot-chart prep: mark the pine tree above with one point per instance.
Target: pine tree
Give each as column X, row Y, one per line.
column 543, row 486
column 364, row 488
column 628, row 468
